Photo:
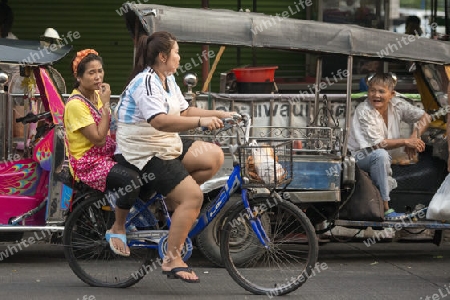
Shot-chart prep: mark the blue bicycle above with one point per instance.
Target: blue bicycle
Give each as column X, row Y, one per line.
column 267, row 244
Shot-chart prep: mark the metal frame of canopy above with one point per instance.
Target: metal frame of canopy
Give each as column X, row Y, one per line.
column 212, row 26
column 24, row 53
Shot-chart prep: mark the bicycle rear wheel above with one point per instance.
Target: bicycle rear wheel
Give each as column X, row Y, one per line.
column 292, row 250
column 89, row 254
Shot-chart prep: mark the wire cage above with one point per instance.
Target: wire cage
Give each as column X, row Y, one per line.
column 266, row 164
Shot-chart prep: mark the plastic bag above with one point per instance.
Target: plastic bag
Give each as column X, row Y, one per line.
column 266, row 163
column 439, row 207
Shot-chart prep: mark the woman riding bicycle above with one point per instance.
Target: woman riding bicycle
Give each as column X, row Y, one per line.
column 91, row 148
column 151, row 112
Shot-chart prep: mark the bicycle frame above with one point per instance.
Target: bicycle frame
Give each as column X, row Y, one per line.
column 233, row 183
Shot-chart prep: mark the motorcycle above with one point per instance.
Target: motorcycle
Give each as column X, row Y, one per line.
column 318, row 122
column 32, row 199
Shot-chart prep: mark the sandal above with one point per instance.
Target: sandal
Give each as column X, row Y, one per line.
column 119, row 236
column 391, row 215
column 172, row 274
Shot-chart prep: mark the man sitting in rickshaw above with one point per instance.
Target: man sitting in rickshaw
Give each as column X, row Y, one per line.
column 375, row 133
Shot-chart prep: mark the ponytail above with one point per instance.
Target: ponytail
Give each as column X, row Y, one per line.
column 148, row 49
column 140, row 60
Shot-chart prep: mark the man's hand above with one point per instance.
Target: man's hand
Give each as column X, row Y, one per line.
column 415, row 144
column 411, row 153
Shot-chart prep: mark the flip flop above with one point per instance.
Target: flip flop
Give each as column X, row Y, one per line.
column 172, row 274
column 122, row 237
column 391, row 215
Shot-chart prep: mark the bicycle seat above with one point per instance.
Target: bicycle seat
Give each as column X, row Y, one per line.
column 146, row 194
column 66, row 177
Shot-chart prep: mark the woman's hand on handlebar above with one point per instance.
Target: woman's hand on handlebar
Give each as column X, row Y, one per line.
column 210, row 123
column 227, row 114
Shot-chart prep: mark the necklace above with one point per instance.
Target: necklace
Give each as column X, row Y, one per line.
column 93, row 101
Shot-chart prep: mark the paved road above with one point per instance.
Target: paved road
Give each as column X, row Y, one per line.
column 353, row 271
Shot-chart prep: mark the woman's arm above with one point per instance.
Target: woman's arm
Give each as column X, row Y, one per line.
column 171, row 123
column 191, row 118
column 97, row 134
column 195, row 111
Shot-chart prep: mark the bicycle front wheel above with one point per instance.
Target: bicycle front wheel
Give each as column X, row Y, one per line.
column 89, row 254
column 290, row 253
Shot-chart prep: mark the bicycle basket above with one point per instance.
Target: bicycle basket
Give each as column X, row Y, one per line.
column 266, row 165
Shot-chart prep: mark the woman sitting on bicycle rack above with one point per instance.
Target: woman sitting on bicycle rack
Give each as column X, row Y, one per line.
column 151, row 112
column 91, row 148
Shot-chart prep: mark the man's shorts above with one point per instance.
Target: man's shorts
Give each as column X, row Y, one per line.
column 158, row 175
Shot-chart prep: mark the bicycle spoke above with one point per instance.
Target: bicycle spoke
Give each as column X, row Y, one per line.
column 89, row 254
column 292, row 251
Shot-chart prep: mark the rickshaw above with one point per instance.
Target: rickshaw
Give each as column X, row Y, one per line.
column 32, row 199
column 325, row 174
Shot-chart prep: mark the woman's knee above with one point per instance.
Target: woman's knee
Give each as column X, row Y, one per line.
column 216, row 157
column 125, row 183
column 211, row 157
column 187, row 193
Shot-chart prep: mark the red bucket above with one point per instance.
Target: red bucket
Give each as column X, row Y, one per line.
column 255, row 74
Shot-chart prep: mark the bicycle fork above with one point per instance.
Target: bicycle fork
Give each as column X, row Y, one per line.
column 254, row 218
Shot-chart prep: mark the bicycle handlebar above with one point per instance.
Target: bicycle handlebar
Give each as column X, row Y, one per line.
column 242, row 121
column 32, row 118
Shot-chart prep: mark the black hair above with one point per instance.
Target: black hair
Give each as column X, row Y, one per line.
column 81, row 68
column 6, row 18
column 148, row 49
column 413, row 20
column 412, row 26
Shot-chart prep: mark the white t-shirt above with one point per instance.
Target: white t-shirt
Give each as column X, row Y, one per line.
column 143, row 99
column 368, row 128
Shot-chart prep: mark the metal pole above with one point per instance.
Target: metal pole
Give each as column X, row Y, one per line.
column 205, row 49
column 9, row 124
column 238, row 49
column 348, row 110
column 447, row 25
column 316, row 89
column 3, row 115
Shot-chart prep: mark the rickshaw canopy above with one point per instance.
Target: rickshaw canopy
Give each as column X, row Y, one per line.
column 30, row 53
column 226, row 27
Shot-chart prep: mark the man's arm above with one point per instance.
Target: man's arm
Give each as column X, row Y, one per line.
column 414, row 143
column 421, row 126
column 448, row 128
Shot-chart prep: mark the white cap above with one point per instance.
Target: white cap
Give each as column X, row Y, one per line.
column 50, row 33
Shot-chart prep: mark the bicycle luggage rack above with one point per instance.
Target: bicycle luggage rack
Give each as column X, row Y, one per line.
column 267, row 165
column 305, row 139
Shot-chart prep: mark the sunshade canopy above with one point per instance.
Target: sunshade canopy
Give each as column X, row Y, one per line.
column 30, row 52
column 226, row 27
